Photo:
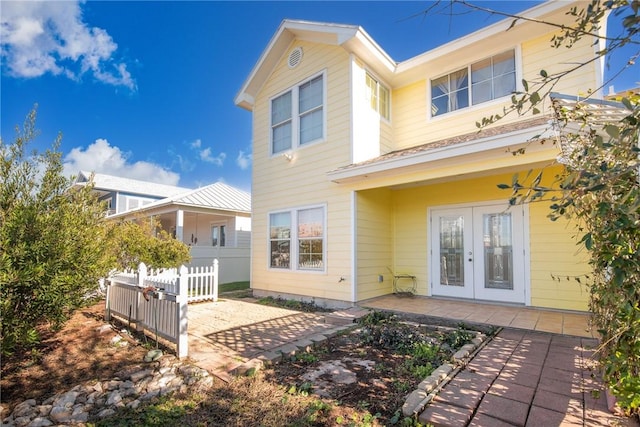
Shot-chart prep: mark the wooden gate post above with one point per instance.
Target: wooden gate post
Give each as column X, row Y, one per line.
column 181, row 313
column 142, row 275
column 215, row 280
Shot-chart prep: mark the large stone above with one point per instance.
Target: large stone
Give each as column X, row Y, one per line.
column 137, row 376
column 107, row 412
column 24, row 408
column 67, row 399
column 60, row 414
column 40, row 422
column 114, row 398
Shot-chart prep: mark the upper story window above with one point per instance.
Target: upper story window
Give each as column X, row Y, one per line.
column 297, row 116
column 378, row 96
column 491, row 78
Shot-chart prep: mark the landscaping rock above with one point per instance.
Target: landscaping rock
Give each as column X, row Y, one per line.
column 100, row 400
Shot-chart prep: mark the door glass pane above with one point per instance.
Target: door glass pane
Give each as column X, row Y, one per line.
column 451, row 251
column 498, row 251
column 214, row 235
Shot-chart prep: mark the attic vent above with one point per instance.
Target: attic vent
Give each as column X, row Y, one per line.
column 295, row 57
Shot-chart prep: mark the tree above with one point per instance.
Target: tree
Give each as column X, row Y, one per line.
column 142, row 240
column 50, row 240
column 55, row 243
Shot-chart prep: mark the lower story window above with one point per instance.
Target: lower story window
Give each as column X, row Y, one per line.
column 298, row 235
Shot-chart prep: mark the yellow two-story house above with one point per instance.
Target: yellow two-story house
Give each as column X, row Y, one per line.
column 370, row 176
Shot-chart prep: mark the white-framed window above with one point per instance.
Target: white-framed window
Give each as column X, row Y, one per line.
column 297, row 115
column 378, row 96
column 218, row 235
column 297, row 239
column 482, row 81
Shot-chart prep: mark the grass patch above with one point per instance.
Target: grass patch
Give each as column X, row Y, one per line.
column 234, row 286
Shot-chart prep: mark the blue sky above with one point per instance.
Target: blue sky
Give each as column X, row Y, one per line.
column 145, row 89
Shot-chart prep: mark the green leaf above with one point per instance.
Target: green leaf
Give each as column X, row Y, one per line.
column 613, row 131
column 534, row 98
column 503, row 186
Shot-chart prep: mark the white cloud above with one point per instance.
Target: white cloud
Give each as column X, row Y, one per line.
column 206, row 156
column 196, row 144
column 101, row 157
column 40, row 37
column 244, row 160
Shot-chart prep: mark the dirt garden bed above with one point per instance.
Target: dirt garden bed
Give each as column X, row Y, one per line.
column 375, row 366
column 378, row 365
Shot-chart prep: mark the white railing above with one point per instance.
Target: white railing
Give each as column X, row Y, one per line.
column 158, row 303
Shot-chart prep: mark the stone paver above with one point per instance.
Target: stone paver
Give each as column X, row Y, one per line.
column 233, row 336
column 525, row 378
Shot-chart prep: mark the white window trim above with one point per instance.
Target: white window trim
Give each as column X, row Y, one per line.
column 295, row 116
column 474, row 107
column 380, row 82
column 293, row 248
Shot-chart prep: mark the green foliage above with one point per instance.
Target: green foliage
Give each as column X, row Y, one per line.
column 50, row 240
column 142, row 240
column 599, row 190
column 309, row 307
column 458, row 337
column 55, row 243
column 377, row 317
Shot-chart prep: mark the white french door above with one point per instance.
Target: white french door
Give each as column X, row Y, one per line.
column 478, row 253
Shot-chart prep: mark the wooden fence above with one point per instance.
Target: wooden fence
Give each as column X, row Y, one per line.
column 157, row 300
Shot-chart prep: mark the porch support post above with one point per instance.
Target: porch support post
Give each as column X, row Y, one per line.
column 180, row 225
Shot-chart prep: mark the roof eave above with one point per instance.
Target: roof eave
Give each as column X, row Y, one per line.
column 361, row 172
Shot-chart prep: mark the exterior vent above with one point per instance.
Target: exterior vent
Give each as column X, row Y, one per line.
column 295, row 57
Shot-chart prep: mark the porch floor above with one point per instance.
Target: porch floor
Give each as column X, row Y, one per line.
column 555, row 321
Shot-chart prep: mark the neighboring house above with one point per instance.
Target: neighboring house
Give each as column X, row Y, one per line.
column 215, row 220
column 124, row 194
column 365, row 168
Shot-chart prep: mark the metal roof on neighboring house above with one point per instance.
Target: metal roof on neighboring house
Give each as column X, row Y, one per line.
column 128, row 185
column 217, row 195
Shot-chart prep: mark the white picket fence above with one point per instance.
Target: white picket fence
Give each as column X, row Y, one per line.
column 157, row 301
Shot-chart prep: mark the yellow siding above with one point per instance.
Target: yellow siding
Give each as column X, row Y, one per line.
column 539, row 55
column 553, row 250
column 279, row 184
column 413, row 126
column 374, row 243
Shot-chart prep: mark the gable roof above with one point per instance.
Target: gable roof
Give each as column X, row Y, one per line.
column 103, row 182
column 217, row 196
column 354, row 39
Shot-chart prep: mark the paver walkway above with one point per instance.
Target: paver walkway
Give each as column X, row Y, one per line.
column 226, row 334
column 521, row 377
column 525, row 378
